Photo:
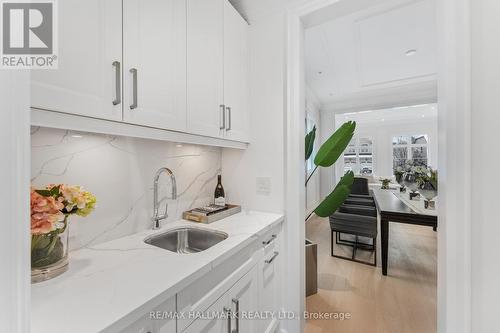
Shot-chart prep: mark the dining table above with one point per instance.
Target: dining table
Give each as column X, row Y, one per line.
column 394, row 206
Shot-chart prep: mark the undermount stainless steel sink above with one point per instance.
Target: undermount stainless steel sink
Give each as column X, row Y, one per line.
column 186, row 239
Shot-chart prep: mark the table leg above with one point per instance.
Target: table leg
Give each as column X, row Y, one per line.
column 384, row 226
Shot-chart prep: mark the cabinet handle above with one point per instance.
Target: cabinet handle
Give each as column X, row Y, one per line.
column 223, row 122
column 265, row 243
column 268, row 261
column 237, row 315
column 118, row 86
column 134, row 88
column 228, row 312
column 229, row 118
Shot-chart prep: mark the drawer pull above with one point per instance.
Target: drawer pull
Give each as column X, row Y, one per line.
column 268, row 261
column 237, row 315
column 273, row 237
column 228, row 313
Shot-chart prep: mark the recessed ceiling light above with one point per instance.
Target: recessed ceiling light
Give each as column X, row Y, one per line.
column 178, row 145
column 410, row 53
column 383, row 119
column 423, row 116
column 77, row 136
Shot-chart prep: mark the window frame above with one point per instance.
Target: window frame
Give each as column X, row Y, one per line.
column 409, row 147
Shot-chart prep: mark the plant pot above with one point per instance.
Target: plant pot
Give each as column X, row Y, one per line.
column 49, row 254
column 311, row 268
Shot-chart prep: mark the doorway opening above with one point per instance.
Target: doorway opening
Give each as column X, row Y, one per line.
column 415, row 94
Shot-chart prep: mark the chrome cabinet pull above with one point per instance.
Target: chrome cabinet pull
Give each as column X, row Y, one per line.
column 237, row 315
column 268, row 261
column 134, row 88
column 229, row 118
column 228, row 312
column 118, row 86
column 273, row 237
column 223, row 122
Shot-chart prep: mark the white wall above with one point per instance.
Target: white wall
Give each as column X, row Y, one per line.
column 485, row 124
column 120, row 171
column 264, row 158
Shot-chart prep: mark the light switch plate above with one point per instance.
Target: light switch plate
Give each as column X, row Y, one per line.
column 263, row 185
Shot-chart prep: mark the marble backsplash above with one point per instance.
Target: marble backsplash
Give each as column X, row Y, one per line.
column 120, row 171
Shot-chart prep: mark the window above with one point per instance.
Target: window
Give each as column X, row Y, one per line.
column 409, row 147
column 358, row 157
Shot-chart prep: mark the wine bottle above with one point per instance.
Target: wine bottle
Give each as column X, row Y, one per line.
column 219, row 196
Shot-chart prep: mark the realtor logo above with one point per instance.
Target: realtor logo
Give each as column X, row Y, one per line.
column 28, row 34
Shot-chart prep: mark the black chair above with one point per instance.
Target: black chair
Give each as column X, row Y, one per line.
column 360, row 193
column 356, row 217
column 357, row 220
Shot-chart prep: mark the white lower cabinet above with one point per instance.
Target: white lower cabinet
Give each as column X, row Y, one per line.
column 269, row 281
column 240, row 295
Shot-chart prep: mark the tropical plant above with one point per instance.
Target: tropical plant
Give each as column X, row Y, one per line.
column 327, row 155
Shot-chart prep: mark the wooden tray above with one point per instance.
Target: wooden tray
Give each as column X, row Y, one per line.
column 200, row 218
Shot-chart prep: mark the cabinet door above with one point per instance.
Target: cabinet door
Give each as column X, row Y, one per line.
column 235, row 74
column 154, row 48
column 86, row 82
column 214, row 322
column 269, row 283
column 205, row 31
column 243, row 297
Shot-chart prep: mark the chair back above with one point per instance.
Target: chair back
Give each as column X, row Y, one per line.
column 360, row 186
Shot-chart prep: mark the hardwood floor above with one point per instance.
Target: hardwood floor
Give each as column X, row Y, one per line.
column 402, row 302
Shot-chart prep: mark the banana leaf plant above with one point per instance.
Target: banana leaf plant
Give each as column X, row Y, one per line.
column 327, row 155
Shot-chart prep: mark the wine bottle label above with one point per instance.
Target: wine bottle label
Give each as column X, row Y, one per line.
column 220, row 201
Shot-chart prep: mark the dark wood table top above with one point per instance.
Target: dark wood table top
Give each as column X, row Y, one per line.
column 387, row 202
column 392, row 207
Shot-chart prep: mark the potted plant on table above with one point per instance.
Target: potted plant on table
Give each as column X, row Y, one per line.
column 327, row 155
column 51, row 208
column 428, row 187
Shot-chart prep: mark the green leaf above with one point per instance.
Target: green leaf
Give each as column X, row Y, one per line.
column 45, row 193
column 331, row 150
column 333, row 201
column 310, row 137
column 55, row 191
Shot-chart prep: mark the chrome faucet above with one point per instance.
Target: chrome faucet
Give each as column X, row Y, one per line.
column 157, row 218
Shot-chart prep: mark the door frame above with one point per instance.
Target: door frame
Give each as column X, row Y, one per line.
column 15, row 280
column 454, row 244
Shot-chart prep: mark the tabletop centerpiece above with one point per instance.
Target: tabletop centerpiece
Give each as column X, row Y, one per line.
column 428, row 187
column 399, row 173
column 385, row 183
column 50, row 211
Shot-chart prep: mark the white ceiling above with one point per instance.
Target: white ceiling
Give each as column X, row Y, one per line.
column 358, row 61
column 406, row 114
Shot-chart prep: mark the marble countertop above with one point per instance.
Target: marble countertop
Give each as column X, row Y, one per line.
column 123, row 278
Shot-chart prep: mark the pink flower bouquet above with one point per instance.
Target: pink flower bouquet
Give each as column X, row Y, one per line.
column 50, row 209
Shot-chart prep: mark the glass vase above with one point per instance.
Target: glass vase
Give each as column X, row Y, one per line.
column 49, row 253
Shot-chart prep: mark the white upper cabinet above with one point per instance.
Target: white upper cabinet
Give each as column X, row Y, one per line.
column 205, row 66
column 86, row 82
column 154, row 48
column 217, row 70
column 235, row 74
column 178, row 65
